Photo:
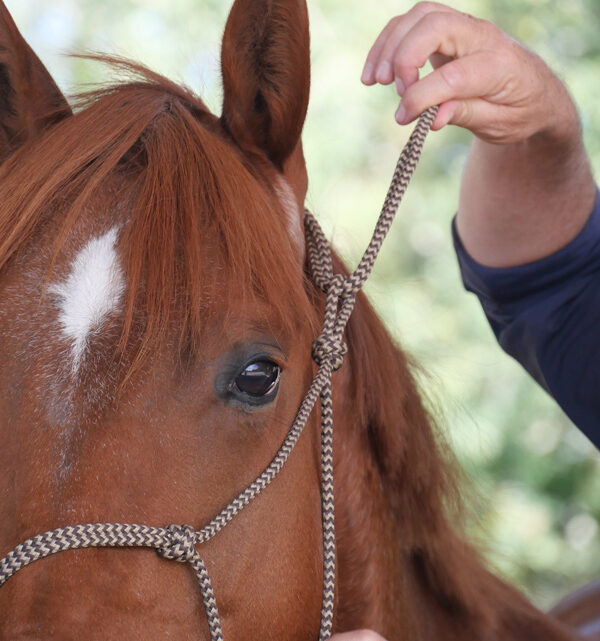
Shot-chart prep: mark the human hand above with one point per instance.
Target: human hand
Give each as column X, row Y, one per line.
column 483, row 79
column 358, row 635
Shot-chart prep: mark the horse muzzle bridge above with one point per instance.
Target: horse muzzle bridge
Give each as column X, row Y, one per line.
column 178, row 542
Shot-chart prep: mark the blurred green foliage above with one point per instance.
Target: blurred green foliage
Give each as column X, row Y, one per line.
column 537, row 477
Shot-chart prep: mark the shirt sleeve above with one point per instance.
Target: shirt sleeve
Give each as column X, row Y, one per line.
column 546, row 315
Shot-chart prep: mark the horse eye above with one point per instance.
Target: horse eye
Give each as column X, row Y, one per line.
column 258, row 379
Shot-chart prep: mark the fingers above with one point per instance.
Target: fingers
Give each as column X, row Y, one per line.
column 445, row 114
column 374, row 69
column 405, row 52
column 428, row 31
column 449, row 35
column 474, row 76
column 484, row 118
column 379, row 63
column 483, row 80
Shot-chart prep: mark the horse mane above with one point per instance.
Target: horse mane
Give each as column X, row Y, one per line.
column 190, row 197
column 424, row 488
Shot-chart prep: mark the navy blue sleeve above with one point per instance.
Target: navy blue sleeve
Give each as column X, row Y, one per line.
column 546, row 315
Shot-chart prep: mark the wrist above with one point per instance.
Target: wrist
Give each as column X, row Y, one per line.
column 550, row 157
column 560, row 126
column 523, row 201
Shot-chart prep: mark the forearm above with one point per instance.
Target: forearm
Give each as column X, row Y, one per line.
column 523, row 201
column 527, row 188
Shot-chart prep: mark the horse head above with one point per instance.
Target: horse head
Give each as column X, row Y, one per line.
column 156, row 326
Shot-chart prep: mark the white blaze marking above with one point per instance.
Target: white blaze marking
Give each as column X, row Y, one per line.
column 91, row 291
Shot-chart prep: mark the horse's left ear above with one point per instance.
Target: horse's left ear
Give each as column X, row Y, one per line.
column 265, row 62
column 30, row 101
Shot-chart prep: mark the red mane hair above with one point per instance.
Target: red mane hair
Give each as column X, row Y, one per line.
column 190, row 197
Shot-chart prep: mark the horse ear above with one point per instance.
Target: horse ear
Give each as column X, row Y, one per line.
column 30, row 101
column 265, row 62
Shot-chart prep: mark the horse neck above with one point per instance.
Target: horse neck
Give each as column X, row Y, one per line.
column 404, row 569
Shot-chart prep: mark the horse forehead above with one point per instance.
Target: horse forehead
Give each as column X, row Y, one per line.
column 90, row 293
column 50, row 324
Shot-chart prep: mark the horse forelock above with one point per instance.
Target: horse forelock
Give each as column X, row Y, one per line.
column 189, row 224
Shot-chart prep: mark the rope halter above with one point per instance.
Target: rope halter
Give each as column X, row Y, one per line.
column 178, row 542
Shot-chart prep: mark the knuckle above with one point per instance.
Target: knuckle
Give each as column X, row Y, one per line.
column 410, row 103
column 393, row 23
column 480, row 23
column 463, row 113
column 467, row 111
column 490, row 33
column 397, row 23
column 435, row 20
column 425, row 7
column 504, row 51
column 515, row 53
column 401, row 68
column 440, row 22
column 453, row 74
column 505, row 60
column 490, row 28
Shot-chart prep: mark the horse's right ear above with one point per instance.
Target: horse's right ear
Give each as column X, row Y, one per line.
column 30, row 101
column 265, row 60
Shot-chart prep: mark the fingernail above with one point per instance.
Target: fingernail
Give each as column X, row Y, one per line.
column 367, row 74
column 400, row 88
column 383, row 72
column 401, row 115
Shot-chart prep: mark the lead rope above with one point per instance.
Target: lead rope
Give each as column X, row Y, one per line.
column 178, row 542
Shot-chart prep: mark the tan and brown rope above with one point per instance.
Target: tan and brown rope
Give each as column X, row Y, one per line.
column 178, row 542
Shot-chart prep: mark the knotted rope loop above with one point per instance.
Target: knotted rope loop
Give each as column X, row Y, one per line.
column 180, row 545
column 339, row 287
column 328, row 348
column 330, row 345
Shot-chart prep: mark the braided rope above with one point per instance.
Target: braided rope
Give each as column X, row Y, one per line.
column 178, row 542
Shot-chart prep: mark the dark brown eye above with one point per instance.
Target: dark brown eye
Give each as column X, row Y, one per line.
column 258, row 379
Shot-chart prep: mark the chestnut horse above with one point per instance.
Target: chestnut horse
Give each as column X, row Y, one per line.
column 155, row 332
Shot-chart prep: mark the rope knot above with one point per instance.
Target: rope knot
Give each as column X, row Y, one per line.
column 328, row 348
column 180, row 544
column 340, row 286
